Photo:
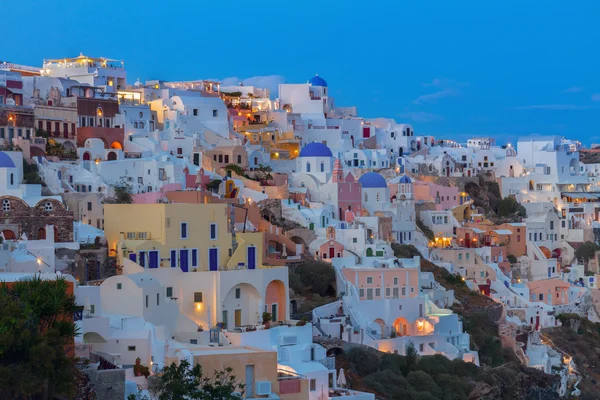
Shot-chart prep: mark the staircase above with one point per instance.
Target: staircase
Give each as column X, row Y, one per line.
column 359, row 258
column 318, row 326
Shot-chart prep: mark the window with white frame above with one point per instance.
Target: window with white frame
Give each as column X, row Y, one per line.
column 184, row 230
column 213, row 231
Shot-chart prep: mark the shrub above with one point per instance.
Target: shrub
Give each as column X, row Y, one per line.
column 388, row 383
column 586, row 251
column 423, row 382
column 365, row 361
column 511, row 259
column 405, row 250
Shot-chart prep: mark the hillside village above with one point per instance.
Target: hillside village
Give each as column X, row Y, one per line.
column 277, row 233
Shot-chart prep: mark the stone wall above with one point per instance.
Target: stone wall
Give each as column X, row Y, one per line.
column 109, row 384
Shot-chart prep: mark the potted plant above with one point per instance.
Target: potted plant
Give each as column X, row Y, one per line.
column 139, row 369
column 200, row 328
column 266, row 317
column 221, row 325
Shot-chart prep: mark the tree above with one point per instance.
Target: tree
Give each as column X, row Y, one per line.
column 263, row 172
column 425, row 229
column 586, row 251
column 31, row 173
column 507, row 206
column 180, row 382
column 411, row 356
column 122, row 194
column 405, row 250
column 235, row 168
column 36, row 334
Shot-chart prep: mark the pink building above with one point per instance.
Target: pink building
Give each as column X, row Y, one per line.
column 195, row 181
column 380, row 283
column 552, row 291
column 349, row 192
column 154, row 197
column 445, row 198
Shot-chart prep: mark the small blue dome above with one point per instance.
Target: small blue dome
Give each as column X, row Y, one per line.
column 317, row 81
column 405, row 179
column 372, row 180
column 6, row 161
column 315, row 149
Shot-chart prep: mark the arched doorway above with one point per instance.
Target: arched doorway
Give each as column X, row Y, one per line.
column 112, row 156
column 369, row 252
column 240, row 307
column 275, row 300
column 56, row 235
column 401, row 327
column 531, row 185
column 87, row 156
column 41, row 234
column 9, row 235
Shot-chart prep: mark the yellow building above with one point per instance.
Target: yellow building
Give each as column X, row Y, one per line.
column 192, row 237
column 280, row 145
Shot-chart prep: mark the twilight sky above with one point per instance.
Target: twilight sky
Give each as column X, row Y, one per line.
column 453, row 69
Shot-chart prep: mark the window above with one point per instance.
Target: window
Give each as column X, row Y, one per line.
column 403, row 291
column 396, row 281
column 5, row 205
column 388, row 292
column 459, row 256
column 307, row 167
column 395, row 292
column 157, row 299
column 361, row 293
column 93, row 307
column 48, row 206
column 369, row 280
column 119, row 286
column 215, row 113
column 142, row 235
column 322, row 167
column 195, row 112
column 467, row 256
column 131, row 236
column 184, row 230
column 146, row 301
column 354, row 240
column 541, row 296
column 130, row 348
column 89, row 206
column 213, row 231
column 194, row 257
column 313, row 385
column 421, row 347
column 169, row 292
column 197, row 297
column 238, row 293
column 551, row 225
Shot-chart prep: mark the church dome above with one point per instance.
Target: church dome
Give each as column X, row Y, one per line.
column 6, row 161
column 372, row 180
column 315, row 149
column 405, row 179
column 317, row 81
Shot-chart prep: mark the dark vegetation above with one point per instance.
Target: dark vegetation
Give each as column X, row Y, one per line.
column 425, row 229
column 31, row 174
column 181, row 382
column 586, row 251
column 486, row 196
column 580, row 338
column 122, row 195
column 315, row 282
column 410, row 377
column 405, row 250
column 36, row 333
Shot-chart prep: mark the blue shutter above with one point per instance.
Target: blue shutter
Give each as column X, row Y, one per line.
column 183, row 260
column 143, row 259
column 251, row 257
column 133, row 257
column 153, row 259
column 213, row 259
column 173, row 258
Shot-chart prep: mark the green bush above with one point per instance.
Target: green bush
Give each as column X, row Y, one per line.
column 423, row 382
column 365, row 361
column 586, row 251
column 511, row 259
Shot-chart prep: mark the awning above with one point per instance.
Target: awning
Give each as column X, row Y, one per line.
column 476, row 230
column 503, row 232
column 15, row 90
column 580, row 195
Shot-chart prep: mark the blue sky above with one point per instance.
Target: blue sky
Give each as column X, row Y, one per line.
column 451, row 68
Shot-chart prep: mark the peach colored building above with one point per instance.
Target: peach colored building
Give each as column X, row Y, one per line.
column 552, row 291
column 384, row 283
column 223, row 155
column 154, row 197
